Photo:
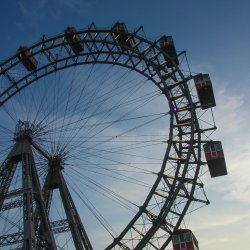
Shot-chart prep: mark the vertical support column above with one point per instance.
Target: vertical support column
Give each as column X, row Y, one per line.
column 28, row 215
column 55, row 180
column 46, row 239
column 78, row 232
column 6, row 175
column 47, row 193
column 48, row 188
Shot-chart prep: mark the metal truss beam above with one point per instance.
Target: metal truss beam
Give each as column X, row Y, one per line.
column 32, row 195
column 11, row 205
column 55, row 180
column 102, row 47
column 6, row 174
column 16, row 192
column 78, row 232
column 11, row 239
column 59, row 226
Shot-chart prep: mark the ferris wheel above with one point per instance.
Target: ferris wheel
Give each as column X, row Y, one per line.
column 101, row 141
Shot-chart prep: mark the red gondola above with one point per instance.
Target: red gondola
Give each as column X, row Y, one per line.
column 204, row 89
column 167, row 45
column 184, row 239
column 74, row 40
column 215, row 158
column 121, row 33
column 28, row 61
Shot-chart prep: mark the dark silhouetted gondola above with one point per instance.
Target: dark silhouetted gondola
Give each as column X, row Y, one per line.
column 215, row 158
column 167, row 45
column 121, row 34
column 74, row 40
column 27, row 59
column 205, row 92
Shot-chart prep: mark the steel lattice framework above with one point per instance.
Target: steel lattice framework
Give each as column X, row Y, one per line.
column 172, row 193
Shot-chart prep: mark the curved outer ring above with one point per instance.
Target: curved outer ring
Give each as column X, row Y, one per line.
column 102, row 47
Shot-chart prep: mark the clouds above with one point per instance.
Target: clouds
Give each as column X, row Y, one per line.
column 232, row 120
column 230, row 112
column 210, row 220
column 29, row 8
column 217, row 53
column 216, row 226
column 219, row 230
column 33, row 9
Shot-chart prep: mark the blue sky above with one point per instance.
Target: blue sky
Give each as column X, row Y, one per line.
column 216, row 36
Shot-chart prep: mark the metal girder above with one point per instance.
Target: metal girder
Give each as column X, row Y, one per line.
column 28, row 213
column 55, row 180
column 9, row 77
column 16, row 192
column 11, row 239
column 59, row 226
column 49, row 55
column 98, row 52
column 78, row 232
column 11, row 205
column 6, row 174
column 147, row 56
column 31, row 191
column 46, row 231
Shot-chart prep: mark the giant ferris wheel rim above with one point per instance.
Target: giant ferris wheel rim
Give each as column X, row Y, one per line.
column 113, row 55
